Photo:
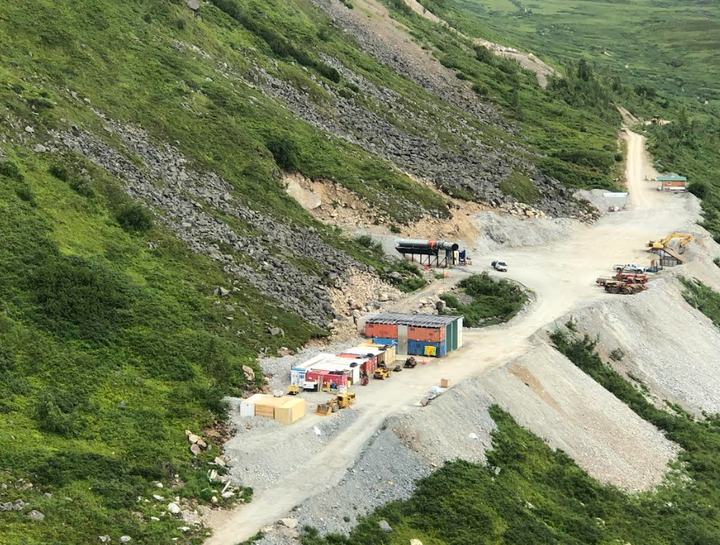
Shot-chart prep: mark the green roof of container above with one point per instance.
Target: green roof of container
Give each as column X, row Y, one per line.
column 672, row 179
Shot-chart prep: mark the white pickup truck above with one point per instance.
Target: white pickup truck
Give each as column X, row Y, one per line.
column 630, row 268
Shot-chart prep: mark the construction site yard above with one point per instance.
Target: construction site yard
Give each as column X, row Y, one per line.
column 326, row 472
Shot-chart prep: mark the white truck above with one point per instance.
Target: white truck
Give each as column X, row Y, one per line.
column 630, row 268
column 500, row 266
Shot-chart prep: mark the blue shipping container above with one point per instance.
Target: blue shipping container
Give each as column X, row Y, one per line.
column 378, row 340
column 417, row 348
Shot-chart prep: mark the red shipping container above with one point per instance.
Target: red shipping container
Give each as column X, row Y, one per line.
column 368, row 365
column 382, row 331
column 339, row 380
column 427, row 334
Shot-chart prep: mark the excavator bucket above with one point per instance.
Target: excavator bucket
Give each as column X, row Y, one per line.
column 324, row 409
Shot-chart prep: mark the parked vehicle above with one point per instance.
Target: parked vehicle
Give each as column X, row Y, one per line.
column 382, row 372
column 615, row 286
column 500, row 266
column 631, row 268
column 410, row 363
column 623, row 277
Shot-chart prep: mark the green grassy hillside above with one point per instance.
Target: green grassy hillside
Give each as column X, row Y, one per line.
column 111, row 345
column 661, row 58
column 113, row 341
column 673, row 47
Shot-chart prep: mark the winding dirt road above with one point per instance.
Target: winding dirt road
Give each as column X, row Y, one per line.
column 561, row 275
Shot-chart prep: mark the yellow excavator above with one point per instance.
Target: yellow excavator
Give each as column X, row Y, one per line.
column 660, row 244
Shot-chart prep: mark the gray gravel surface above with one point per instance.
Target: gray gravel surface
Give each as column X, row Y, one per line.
column 557, row 401
column 386, row 471
column 268, row 450
column 499, row 232
column 669, row 346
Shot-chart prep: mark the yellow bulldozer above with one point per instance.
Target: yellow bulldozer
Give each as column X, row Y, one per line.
column 660, row 244
column 334, row 404
column 382, row 372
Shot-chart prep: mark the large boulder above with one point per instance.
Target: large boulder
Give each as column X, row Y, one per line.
column 36, row 515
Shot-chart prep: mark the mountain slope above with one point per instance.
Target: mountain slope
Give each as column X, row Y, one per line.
column 150, row 251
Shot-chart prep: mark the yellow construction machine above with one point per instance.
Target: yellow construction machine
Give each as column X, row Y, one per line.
column 660, row 244
column 334, row 404
column 293, row 390
column 382, row 373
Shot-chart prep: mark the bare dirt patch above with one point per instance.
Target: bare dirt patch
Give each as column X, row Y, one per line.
column 335, row 205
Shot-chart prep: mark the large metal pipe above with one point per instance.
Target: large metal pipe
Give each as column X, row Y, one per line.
column 409, row 244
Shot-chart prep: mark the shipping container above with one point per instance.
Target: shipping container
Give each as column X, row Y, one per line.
column 389, row 355
column 386, row 352
column 422, row 348
column 427, row 334
column 331, row 380
column 385, row 331
column 367, row 355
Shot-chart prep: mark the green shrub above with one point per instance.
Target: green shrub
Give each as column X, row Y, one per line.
column 83, row 188
column 11, row 170
column 59, row 172
column 24, row 193
column 40, row 103
column 492, row 301
column 703, row 298
column 134, row 218
column 617, row 354
column 80, row 298
column 483, row 54
column 480, row 90
column 520, row 187
column 57, row 413
column 699, row 189
column 285, row 152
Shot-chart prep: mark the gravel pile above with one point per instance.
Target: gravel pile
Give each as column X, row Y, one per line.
column 498, row 232
column 669, row 346
column 553, row 398
column 385, row 472
column 454, row 426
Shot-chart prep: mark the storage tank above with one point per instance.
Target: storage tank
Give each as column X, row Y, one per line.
column 422, row 246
